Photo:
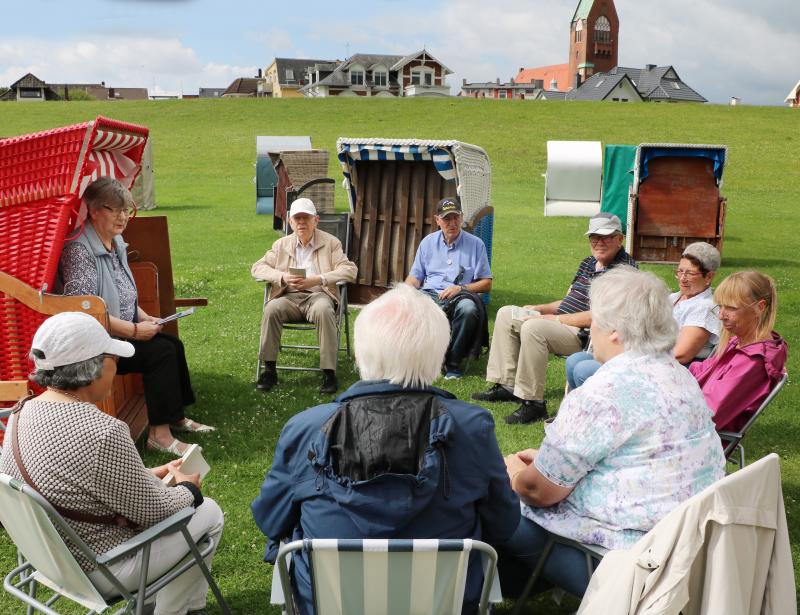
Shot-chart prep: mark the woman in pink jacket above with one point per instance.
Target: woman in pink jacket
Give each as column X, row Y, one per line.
column 750, row 357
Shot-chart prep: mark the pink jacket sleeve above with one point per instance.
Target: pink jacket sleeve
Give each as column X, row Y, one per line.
column 734, row 390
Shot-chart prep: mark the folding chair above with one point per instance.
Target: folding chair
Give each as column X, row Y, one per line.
column 338, row 225
column 37, row 530
column 396, row 576
column 592, row 553
column 732, row 440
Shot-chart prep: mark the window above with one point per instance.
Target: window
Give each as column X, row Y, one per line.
column 676, row 85
column 379, row 78
column 602, row 30
column 421, row 76
column 599, row 83
column 356, row 77
column 578, row 31
column 29, row 93
column 503, row 94
column 289, row 75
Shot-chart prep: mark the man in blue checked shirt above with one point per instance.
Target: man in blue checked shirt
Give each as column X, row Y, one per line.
column 451, row 266
column 517, row 367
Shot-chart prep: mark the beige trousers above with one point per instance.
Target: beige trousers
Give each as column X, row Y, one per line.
column 520, row 350
column 313, row 307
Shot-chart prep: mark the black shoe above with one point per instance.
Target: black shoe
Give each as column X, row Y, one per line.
column 497, row 393
column 529, row 412
column 267, row 379
column 329, row 382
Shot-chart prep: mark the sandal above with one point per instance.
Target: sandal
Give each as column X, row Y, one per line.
column 192, row 426
column 173, row 449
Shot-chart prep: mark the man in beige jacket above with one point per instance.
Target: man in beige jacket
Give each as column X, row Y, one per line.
column 312, row 296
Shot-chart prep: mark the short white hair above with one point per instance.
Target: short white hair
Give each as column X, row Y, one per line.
column 636, row 305
column 401, row 337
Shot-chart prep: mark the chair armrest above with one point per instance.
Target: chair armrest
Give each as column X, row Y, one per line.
column 171, row 524
column 342, row 284
column 191, row 301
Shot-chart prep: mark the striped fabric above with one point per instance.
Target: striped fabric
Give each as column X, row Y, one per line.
column 392, row 577
column 352, row 150
column 109, row 156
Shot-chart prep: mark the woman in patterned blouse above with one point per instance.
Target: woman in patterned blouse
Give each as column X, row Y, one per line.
column 85, row 464
column 628, row 446
column 95, row 262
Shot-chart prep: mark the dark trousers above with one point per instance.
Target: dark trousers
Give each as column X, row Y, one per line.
column 167, row 389
column 463, row 327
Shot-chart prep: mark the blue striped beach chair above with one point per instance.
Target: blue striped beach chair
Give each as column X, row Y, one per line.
column 391, row 577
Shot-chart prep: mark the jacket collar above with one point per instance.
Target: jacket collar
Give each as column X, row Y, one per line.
column 373, row 387
column 95, row 243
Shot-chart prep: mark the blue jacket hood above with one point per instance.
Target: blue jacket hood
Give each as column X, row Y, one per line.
column 365, row 501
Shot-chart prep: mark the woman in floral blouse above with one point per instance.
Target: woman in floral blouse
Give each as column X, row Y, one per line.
column 628, row 446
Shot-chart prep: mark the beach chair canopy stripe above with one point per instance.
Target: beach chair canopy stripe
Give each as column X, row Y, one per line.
column 649, row 151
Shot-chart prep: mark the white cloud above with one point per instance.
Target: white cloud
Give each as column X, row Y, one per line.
column 160, row 64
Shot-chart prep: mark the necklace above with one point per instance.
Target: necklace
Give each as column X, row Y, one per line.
column 66, row 394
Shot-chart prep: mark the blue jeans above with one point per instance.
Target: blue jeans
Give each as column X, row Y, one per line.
column 463, row 328
column 580, row 366
column 565, row 568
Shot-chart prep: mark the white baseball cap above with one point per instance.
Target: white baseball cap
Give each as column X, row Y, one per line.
column 303, row 206
column 72, row 337
column 604, row 223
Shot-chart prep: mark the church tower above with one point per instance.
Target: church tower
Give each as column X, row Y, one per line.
column 594, row 39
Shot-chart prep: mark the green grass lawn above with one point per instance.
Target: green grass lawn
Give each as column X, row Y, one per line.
column 204, row 152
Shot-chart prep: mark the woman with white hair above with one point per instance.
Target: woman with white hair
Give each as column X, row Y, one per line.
column 391, row 457
column 692, row 307
column 628, row 446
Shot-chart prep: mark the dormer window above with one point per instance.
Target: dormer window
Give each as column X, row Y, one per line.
column 289, row 75
column 356, row 75
column 380, row 77
column 421, row 75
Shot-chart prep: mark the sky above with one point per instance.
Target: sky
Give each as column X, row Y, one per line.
column 721, row 48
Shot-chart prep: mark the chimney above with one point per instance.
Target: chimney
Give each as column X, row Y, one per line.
column 520, row 70
column 259, row 73
column 511, row 80
column 103, row 83
column 650, row 66
column 498, row 81
column 463, row 82
column 577, row 81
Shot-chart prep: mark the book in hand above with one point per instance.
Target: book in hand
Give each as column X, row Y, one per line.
column 176, row 316
column 299, row 272
column 519, row 313
column 193, row 463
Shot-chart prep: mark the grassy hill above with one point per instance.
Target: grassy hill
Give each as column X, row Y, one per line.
column 204, row 152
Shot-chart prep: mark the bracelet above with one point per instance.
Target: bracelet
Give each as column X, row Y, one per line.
column 135, row 330
column 464, row 288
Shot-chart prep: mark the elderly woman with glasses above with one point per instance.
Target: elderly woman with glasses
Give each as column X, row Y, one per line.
column 625, row 449
column 95, row 262
column 750, row 358
column 85, row 464
column 691, row 307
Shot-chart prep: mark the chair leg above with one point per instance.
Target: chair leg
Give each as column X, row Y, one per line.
column 206, row 572
column 537, row 572
column 347, row 331
column 741, row 456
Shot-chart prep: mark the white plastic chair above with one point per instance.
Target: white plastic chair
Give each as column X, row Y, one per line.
column 34, row 526
column 429, row 574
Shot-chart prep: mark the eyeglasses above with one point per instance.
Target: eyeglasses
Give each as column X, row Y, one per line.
column 126, row 212
column 681, row 273
column 113, row 357
column 598, row 239
column 717, row 309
